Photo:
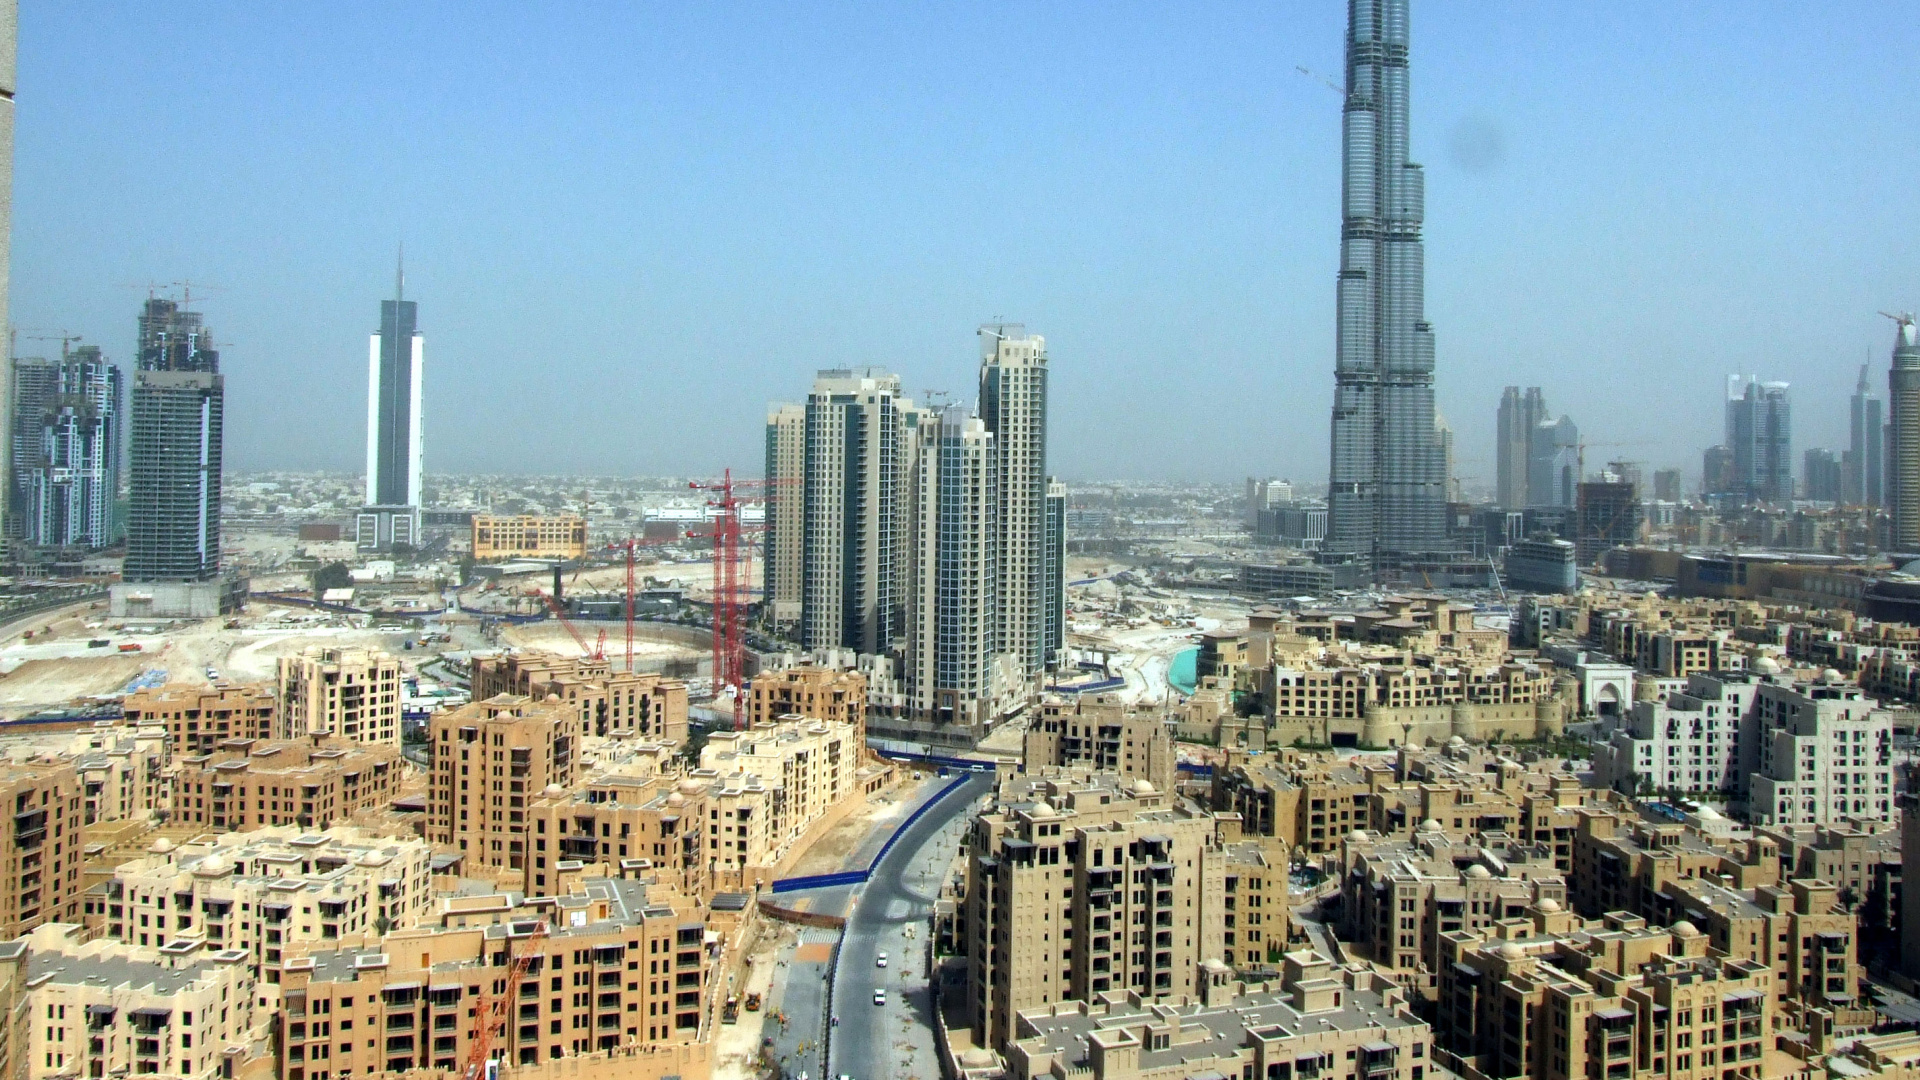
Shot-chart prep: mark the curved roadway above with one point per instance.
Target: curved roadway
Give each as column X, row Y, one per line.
column 896, row 1041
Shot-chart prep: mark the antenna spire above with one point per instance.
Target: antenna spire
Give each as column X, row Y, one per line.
column 400, row 274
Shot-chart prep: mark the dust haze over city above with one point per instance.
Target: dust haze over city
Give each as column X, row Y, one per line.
column 992, row 543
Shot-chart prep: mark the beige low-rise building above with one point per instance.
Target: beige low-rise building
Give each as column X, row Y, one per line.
column 312, row 782
column 490, row 759
column 526, row 536
column 106, row 1009
column 201, row 715
column 271, row 892
column 1315, row 1020
column 616, row 966
column 615, row 823
column 41, row 853
column 640, row 705
column 1400, row 897
column 1078, row 884
column 1102, row 732
column 1547, row 997
column 808, row 766
column 350, row 694
column 810, row 690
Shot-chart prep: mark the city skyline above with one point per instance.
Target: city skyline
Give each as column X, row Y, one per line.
column 1146, row 242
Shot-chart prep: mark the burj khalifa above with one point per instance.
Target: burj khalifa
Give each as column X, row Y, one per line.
column 1386, row 495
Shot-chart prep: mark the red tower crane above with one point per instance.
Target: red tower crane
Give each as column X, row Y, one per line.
column 496, row 1002
column 599, row 649
column 732, row 584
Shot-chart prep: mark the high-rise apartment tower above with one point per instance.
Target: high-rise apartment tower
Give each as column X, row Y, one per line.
column 1386, row 490
column 786, row 512
column 852, row 516
column 1013, row 403
column 952, row 665
column 396, row 359
column 1903, row 440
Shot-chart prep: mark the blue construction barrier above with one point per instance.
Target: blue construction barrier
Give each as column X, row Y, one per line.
column 1088, row 688
column 1194, row 768
column 820, row 881
column 857, row 877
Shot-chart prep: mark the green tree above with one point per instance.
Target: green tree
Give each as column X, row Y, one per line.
column 331, row 576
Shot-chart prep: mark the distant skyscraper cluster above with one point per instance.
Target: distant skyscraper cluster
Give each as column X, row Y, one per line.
column 1537, row 456
column 926, row 535
column 1386, row 495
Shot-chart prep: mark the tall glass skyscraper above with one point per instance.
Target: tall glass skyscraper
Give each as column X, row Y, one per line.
column 1863, row 483
column 173, row 517
column 1386, row 491
column 396, row 358
column 1903, row 436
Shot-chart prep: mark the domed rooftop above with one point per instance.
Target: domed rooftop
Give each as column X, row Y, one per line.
column 977, row 1057
column 1430, row 825
column 1548, row 906
column 1512, row 951
column 1478, row 872
column 1143, row 787
column 1357, row 836
column 1708, row 813
column 1767, row 665
column 213, row 866
column 1042, row 808
column 676, row 799
column 1830, row 676
column 1685, row 929
column 161, row 846
column 689, row 786
column 1456, row 741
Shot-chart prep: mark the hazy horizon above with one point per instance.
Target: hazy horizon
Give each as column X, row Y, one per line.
column 627, row 232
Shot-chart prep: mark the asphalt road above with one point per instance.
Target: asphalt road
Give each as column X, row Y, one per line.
column 896, row 1041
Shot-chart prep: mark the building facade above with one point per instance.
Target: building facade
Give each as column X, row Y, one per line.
column 499, row 537
column 1518, row 417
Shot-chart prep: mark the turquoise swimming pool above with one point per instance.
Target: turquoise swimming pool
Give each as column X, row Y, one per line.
column 1183, row 674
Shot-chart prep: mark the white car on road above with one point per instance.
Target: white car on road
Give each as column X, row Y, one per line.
column 880, row 961
column 880, row 997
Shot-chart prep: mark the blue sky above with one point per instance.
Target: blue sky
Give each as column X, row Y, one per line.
column 631, row 226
